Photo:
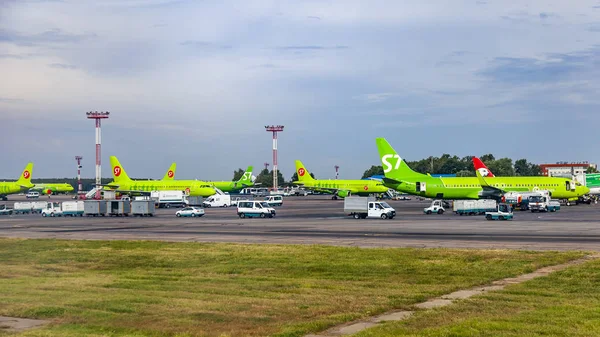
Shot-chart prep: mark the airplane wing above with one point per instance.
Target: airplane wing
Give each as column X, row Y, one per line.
column 392, row 181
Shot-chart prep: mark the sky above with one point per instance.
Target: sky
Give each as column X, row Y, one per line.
column 196, row 82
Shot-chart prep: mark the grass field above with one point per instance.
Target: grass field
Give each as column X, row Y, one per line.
column 566, row 303
column 122, row 288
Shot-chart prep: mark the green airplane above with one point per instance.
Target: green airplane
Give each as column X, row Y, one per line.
column 122, row 183
column 235, row 186
column 51, row 188
column 13, row 187
column 339, row 188
column 401, row 178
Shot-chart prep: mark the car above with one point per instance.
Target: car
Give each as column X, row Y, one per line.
column 190, row 211
column 32, row 195
column 403, row 197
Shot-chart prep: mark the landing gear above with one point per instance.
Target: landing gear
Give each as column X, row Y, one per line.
column 334, row 197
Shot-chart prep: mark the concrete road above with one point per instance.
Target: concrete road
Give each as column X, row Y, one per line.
column 320, row 220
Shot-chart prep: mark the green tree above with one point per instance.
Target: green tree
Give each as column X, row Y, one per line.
column 591, row 169
column 265, row 178
column 487, row 158
column 295, row 176
column 237, row 174
column 374, row 170
column 502, row 167
column 465, row 173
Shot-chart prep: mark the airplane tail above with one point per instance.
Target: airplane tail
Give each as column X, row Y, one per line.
column 302, row 172
column 394, row 166
column 170, row 175
column 246, row 179
column 118, row 172
column 25, row 178
column 480, row 166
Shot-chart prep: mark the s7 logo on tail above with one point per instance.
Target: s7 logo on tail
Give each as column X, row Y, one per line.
column 247, row 176
column 387, row 166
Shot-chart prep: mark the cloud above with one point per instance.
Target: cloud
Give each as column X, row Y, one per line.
column 11, row 100
column 62, row 66
column 205, row 45
column 54, row 36
column 312, row 17
column 376, row 97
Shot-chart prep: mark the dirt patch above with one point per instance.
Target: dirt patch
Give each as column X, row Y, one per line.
column 444, row 300
column 13, row 324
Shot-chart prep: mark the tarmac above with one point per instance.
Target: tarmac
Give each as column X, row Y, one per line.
column 320, row 220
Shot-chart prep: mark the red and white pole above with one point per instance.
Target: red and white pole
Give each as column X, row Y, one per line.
column 274, row 129
column 98, row 116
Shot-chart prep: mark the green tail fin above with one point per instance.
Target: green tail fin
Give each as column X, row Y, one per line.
column 246, row 178
column 393, row 165
column 118, row 172
column 25, row 178
column 170, row 175
column 302, row 172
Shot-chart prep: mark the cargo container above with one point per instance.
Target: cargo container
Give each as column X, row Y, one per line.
column 94, row 207
column 119, row 207
column 474, row 207
column 143, row 208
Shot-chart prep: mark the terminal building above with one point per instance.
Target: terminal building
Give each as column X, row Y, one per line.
column 564, row 169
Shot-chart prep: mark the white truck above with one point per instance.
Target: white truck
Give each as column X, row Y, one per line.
column 168, row 199
column 473, row 207
column 66, row 208
column 368, row 207
column 437, row 206
column 217, row 200
column 520, row 200
column 539, row 203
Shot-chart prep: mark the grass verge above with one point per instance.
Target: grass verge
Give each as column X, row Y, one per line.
column 141, row 288
column 565, row 303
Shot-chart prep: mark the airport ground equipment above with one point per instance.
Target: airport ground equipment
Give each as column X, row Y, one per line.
column 473, row 207
column 168, row 199
column 367, row 207
column 194, row 201
column 32, row 195
column 437, row 206
column 217, row 200
column 29, row 207
column 520, row 200
column 190, row 211
column 94, row 207
column 503, row 212
column 143, row 207
column 255, row 209
column 6, row 211
column 66, row 208
column 118, row 207
column 274, row 200
column 539, row 203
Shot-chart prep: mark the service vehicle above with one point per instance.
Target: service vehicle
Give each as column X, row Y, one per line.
column 539, row 203
column 32, row 195
column 255, row 209
column 217, row 200
column 29, row 207
column 437, row 206
column 503, row 212
column 168, row 199
column 5, row 211
column 274, row 200
column 190, row 211
column 66, row 208
column 368, row 207
column 474, row 207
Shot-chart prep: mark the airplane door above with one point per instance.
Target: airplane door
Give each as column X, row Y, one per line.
column 568, row 185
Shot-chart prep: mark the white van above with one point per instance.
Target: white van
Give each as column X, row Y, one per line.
column 217, row 200
column 32, row 195
column 274, row 200
column 254, row 209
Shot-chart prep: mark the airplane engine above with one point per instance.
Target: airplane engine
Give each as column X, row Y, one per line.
column 48, row 192
column 343, row 194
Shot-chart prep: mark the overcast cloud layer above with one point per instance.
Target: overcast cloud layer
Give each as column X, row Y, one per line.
column 196, row 82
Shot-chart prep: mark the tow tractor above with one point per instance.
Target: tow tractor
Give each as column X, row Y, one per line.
column 503, row 212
